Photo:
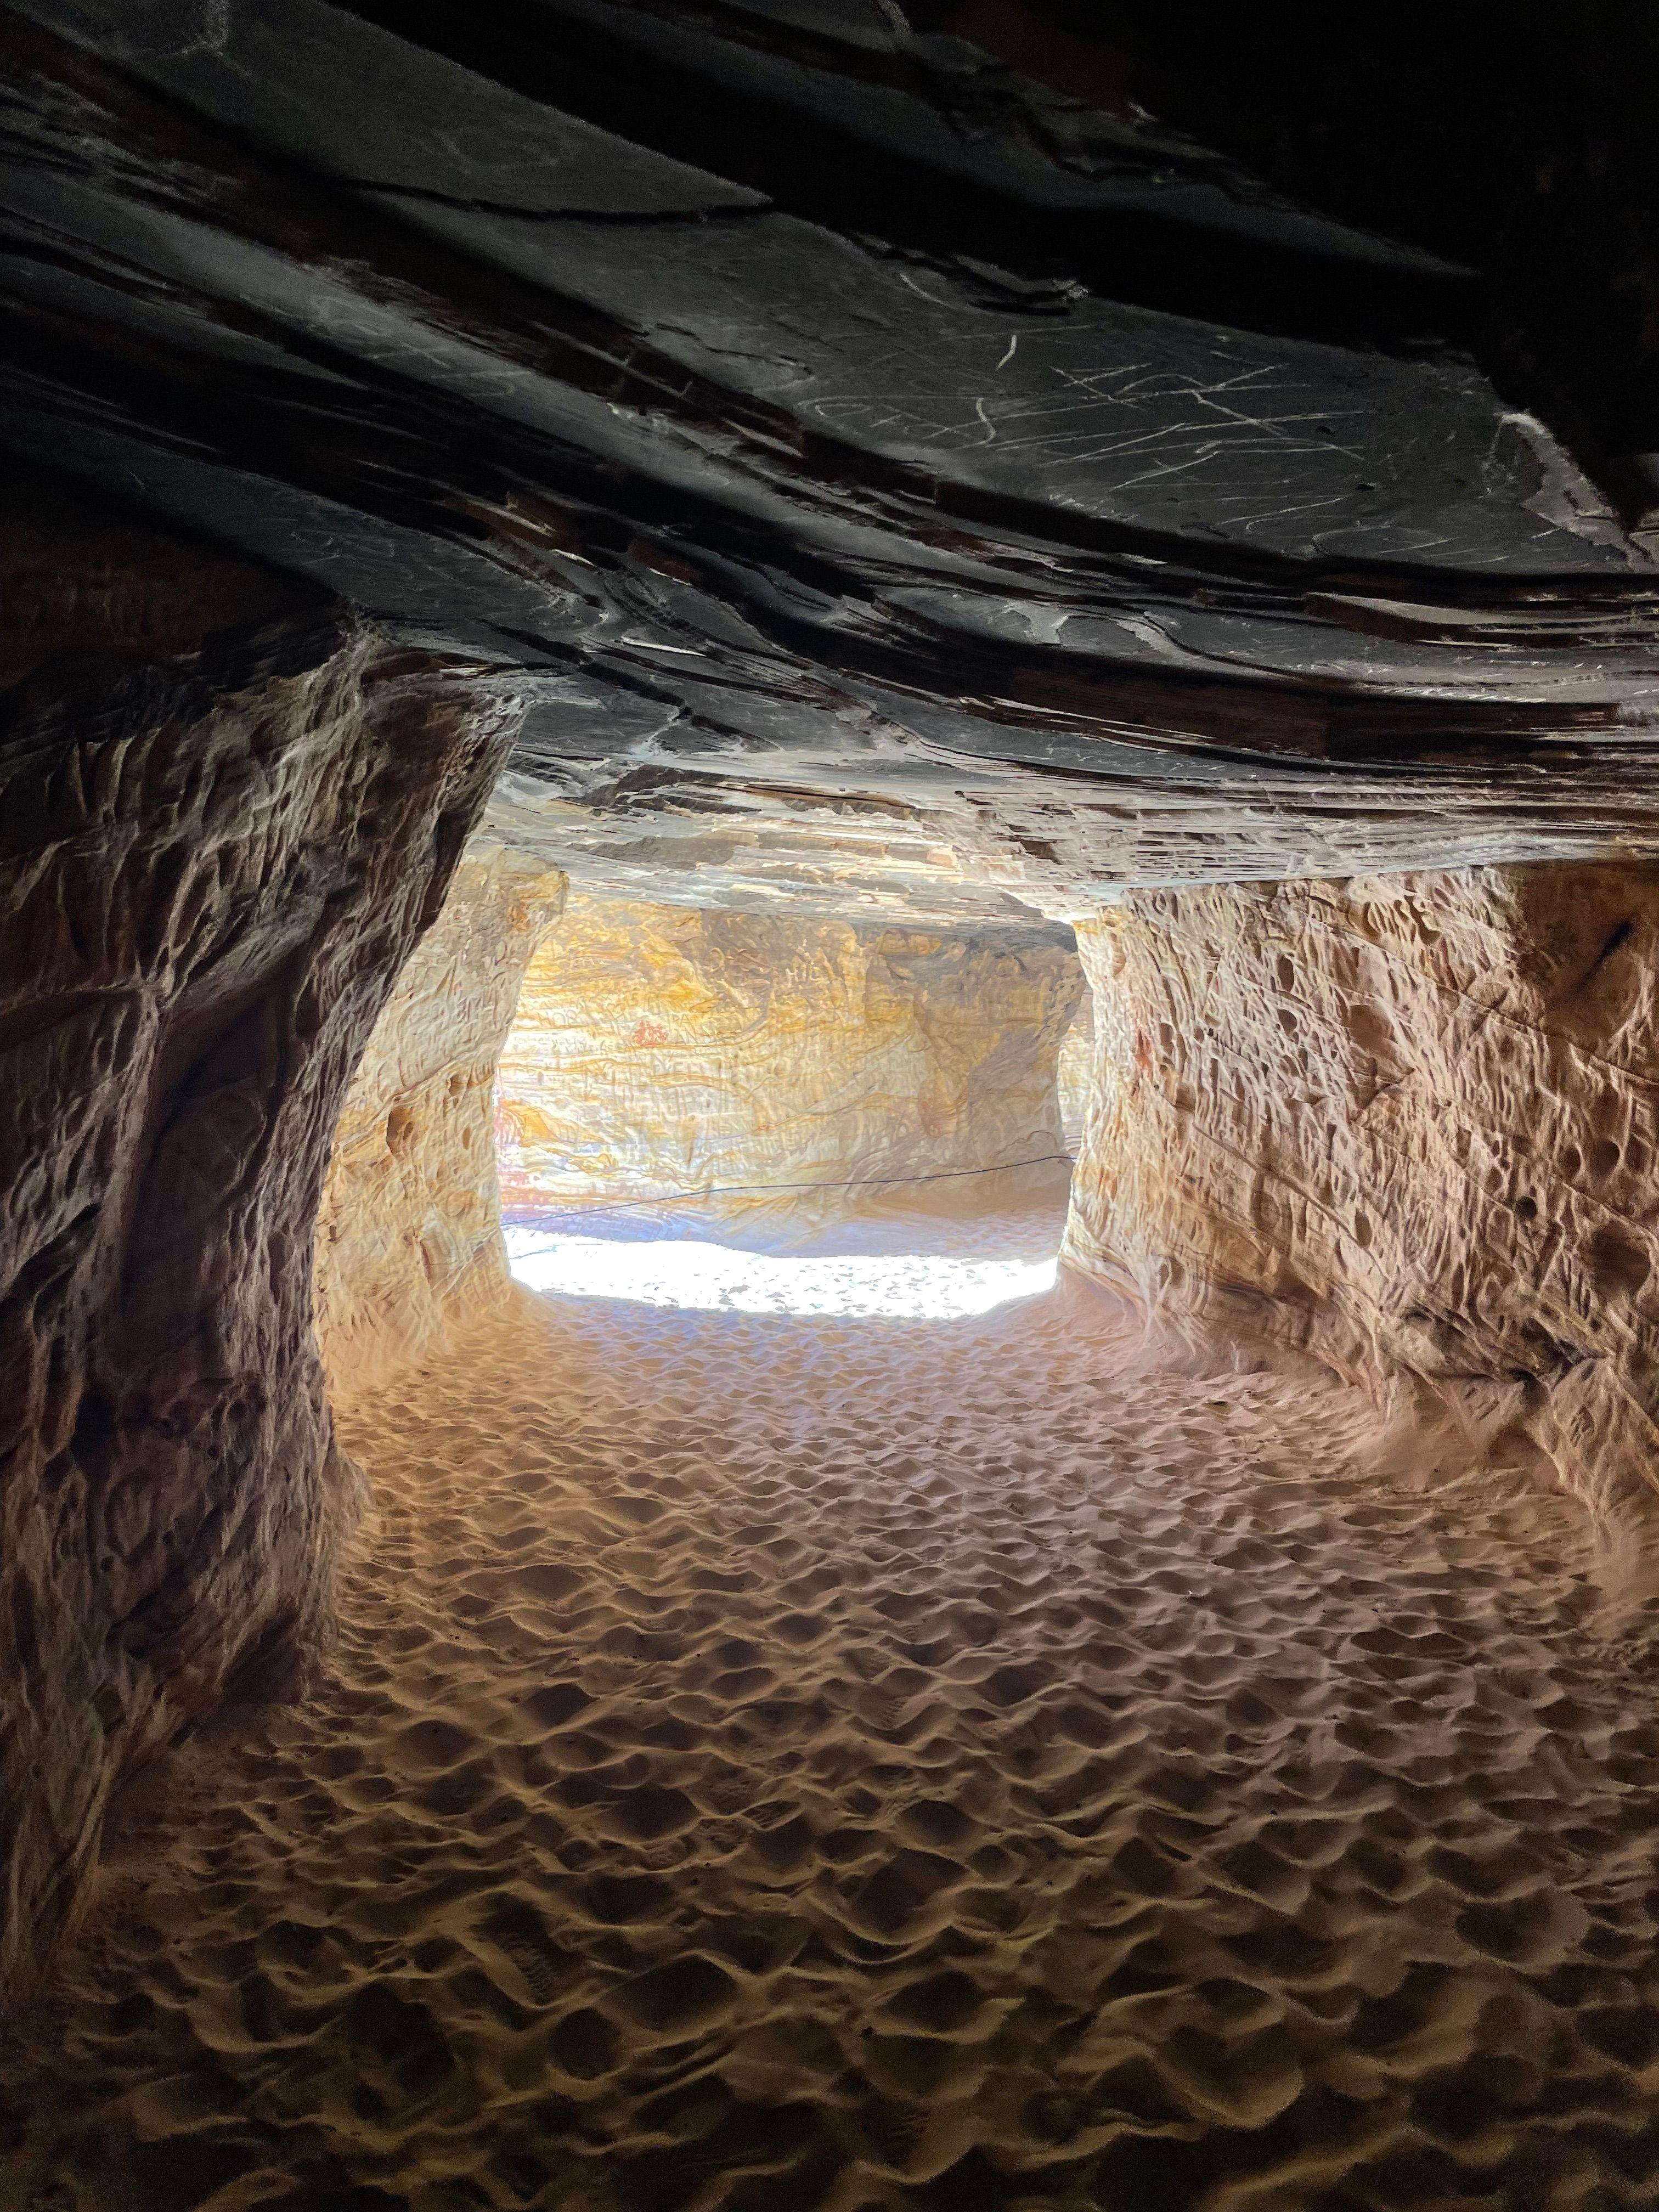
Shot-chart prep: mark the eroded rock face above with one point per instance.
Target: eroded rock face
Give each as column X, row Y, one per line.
column 659, row 1049
column 887, row 488
column 1074, row 1073
column 209, row 876
column 1408, row 1125
column 409, row 1233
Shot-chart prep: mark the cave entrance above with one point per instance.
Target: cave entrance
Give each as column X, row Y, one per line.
column 784, row 1114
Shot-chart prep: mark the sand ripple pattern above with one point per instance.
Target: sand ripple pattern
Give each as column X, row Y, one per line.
column 782, row 1764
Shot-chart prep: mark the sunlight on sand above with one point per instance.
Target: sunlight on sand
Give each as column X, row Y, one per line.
column 711, row 1278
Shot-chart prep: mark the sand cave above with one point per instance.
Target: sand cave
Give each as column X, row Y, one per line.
column 829, row 1017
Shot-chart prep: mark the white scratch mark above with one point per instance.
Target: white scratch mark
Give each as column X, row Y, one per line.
column 990, row 437
column 1013, row 348
column 920, row 292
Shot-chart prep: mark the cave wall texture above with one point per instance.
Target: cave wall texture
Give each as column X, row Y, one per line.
column 210, row 875
column 907, row 476
column 1074, row 1072
column 409, row 1231
column 1405, row 1124
column 661, row 1049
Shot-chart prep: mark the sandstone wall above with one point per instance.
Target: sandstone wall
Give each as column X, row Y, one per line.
column 409, row 1233
column 1408, row 1125
column 661, row 1049
column 1074, row 1073
column 209, row 876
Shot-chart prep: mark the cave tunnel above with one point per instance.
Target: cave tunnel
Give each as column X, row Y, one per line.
column 829, row 916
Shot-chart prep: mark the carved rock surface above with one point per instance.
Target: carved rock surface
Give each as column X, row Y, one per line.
column 208, row 877
column 409, row 1232
column 1407, row 1124
column 660, row 1051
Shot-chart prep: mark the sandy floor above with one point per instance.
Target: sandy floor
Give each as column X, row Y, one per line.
column 783, row 1763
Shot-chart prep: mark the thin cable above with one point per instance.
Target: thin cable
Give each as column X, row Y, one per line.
column 738, row 1189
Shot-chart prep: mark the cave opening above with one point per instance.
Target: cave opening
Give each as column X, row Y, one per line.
column 774, row 1114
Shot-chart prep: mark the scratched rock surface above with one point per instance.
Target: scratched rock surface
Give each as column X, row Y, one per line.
column 1408, row 1124
column 863, row 456
column 210, row 870
column 409, row 1229
column 659, row 1050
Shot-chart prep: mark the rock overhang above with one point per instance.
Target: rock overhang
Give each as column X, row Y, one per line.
column 820, row 564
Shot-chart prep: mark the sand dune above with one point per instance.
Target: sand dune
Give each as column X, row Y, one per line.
column 775, row 1763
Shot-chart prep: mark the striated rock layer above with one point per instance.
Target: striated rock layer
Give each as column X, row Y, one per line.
column 409, row 1233
column 210, row 875
column 1408, row 1126
column 862, row 458
column 660, row 1051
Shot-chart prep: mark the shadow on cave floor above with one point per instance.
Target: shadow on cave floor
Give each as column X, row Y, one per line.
column 775, row 1762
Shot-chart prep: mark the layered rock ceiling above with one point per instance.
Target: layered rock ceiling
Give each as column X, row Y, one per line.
column 850, row 482
column 881, row 480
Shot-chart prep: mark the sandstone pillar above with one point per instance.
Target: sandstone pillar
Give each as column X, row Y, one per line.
column 210, row 873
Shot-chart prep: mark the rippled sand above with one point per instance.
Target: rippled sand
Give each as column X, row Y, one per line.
column 779, row 1763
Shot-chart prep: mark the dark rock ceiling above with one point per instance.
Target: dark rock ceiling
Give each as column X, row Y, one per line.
column 885, row 481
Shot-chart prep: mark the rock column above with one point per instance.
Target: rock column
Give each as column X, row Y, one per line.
column 210, row 874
